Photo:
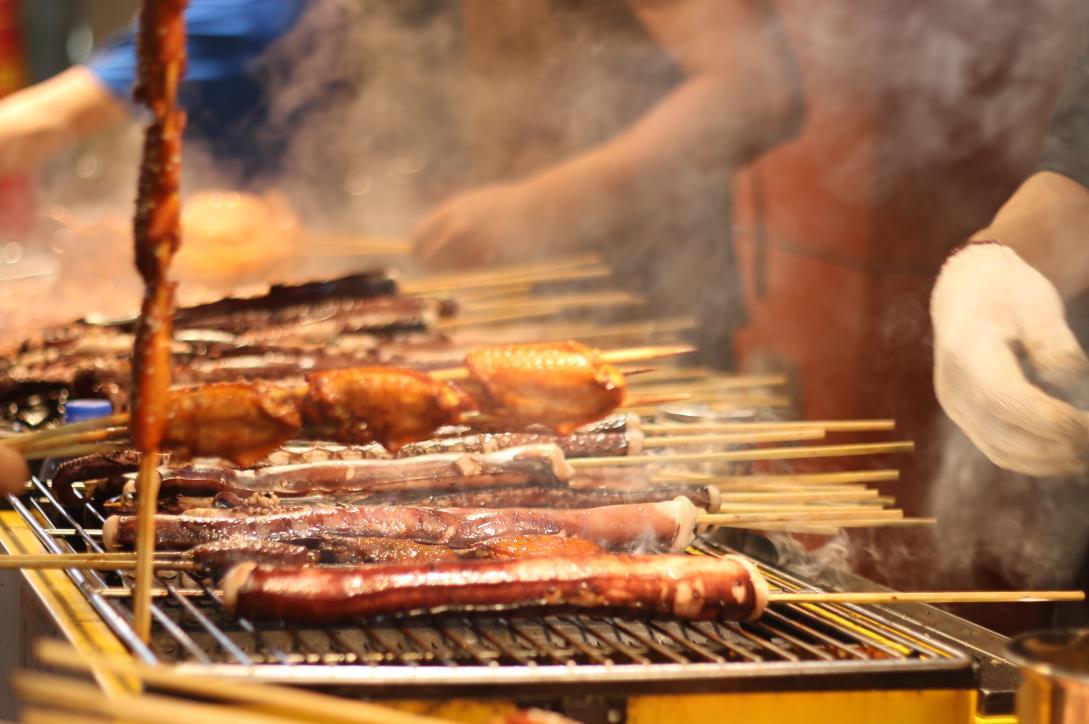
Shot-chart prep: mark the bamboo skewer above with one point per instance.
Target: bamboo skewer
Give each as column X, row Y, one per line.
column 890, row 597
column 90, row 562
column 835, row 527
column 582, row 331
column 826, row 425
column 799, row 497
column 68, row 694
column 652, row 443
column 291, row 702
column 64, row 437
column 836, row 478
column 582, row 300
column 72, row 451
column 91, row 436
column 724, row 384
column 776, row 453
column 795, row 516
column 572, row 269
column 26, row 438
column 147, row 487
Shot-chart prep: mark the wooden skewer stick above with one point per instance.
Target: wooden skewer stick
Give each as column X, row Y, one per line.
column 641, row 330
column 487, row 319
column 836, row 527
column 72, row 451
column 645, row 404
column 581, row 300
column 652, row 443
column 683, row 374
column 800, row 497
column 811, row 506
column 683, row 428
column 65, row 435
column 147, row 487
column 719, row 385
column 283, row 700
column 89, row 562
column 889, row 597
column 89, row 436
column 836, row 478
column 26, row 438
column 771, row 453
column 485, row 280
column 746, row 402
column 65, row 693
column 727, row 400
column 798, row 517
column 582, row 331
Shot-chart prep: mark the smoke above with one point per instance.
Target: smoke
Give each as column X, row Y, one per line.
column 994, row 523
column 365, row 99
column 970, row 77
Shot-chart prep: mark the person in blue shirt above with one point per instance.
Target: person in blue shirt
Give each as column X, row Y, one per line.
column 222, row 91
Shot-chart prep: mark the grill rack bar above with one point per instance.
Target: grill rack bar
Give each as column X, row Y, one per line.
column 194, row 631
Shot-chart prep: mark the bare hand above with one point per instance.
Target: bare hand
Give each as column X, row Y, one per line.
column 492, row 224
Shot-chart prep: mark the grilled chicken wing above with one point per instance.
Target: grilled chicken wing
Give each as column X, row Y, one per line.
column 381, row 404
column 239, row 421
column 560, row 385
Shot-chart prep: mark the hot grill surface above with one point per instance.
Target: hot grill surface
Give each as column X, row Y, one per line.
column 793, row 647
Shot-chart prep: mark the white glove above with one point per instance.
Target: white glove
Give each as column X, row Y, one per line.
column 996, row 319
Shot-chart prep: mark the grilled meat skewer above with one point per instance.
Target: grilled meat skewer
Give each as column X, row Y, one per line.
column 219, row 556
column 654, row 526
column 243, row 422
column 692, row 587
column 559, row 498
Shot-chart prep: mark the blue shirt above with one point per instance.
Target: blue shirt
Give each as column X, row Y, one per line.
column 222, row 91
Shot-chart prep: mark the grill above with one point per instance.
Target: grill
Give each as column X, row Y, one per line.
column 792, row 648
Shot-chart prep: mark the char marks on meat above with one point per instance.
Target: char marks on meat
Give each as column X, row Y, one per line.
column 221, row 555
column 644, row 527
column 691, row 587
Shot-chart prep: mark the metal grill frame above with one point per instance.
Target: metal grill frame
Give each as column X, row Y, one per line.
column 840, row 661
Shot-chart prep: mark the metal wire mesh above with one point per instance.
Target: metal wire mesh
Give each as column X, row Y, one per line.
column 192, row 628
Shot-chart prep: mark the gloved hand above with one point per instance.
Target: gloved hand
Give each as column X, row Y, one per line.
column 1003, row 354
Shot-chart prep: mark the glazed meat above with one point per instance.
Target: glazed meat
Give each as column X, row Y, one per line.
column 559, row 385
column 536, row 546
column 239, row 421
column 156, row 233
column 221, row 555
column 692, row 587
column 380, row 404
column 653, row 526
column 385, row 550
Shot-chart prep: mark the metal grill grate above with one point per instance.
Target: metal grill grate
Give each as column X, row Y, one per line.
column 791, row 647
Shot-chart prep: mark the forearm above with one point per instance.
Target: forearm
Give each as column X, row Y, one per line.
column 694, row 139
column 1045, row 222
column 742, row 95
column 46, row 118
